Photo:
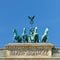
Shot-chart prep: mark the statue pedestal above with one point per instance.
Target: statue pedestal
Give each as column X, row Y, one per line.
column 29, row 50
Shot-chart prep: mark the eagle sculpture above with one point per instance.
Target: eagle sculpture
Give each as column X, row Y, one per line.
column 31, row 19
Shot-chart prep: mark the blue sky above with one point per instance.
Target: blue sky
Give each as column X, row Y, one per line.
column 13, row 14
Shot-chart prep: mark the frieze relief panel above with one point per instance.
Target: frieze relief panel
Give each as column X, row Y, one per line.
column 29, row 50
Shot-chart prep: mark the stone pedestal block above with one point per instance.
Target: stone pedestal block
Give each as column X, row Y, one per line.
column 29, row 50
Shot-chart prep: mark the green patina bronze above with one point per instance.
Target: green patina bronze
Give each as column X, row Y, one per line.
column 24, row 36
column 16, row 36
column 45, row 36
column 33, row 36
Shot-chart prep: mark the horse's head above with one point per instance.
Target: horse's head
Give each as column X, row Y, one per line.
column 35, row 30
column 46, row 30
column 15, row 32
column 24, row 31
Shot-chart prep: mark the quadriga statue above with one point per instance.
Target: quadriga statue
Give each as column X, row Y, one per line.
column 33, row 37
